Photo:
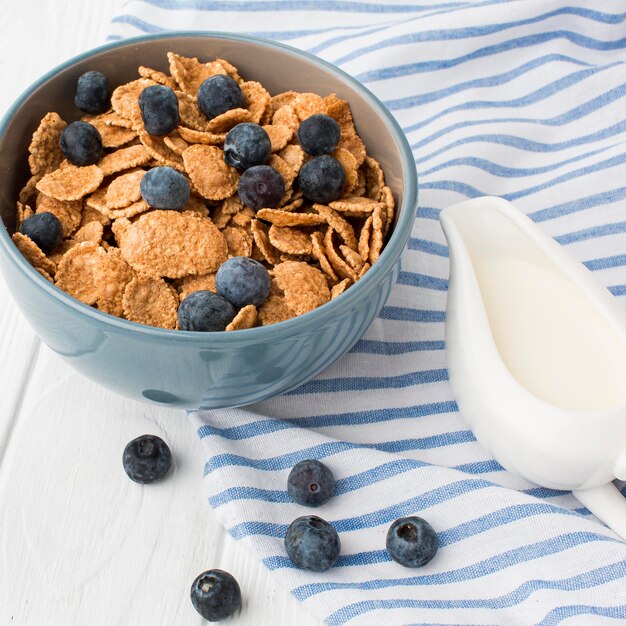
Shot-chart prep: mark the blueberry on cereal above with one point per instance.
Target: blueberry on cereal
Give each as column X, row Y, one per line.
column 261, row 186
column 165, row 188
column 246, row 145
column 319, row 134
column 159, row 109
column 205, row 311
column 44, row 229
column 92, row 93
column 218, row 94
column 243, row 281
column 81, row 144
column 322, row 179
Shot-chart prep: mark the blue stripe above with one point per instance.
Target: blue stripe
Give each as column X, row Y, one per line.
column 589, row 579
column 392, row 348
column 368, row 383
column 503, row 171
column 618, row 260
column 335, row 447
column 580, row 204
column 493, row 80
column 406, row 314
column 486, row 567
column 561, row 613
column 577, row 113
column 356, row 418
column 618, row 290
column 413, row 279
column 431, row 247
column 602, row 230
column 452, row 34
column 526, row 41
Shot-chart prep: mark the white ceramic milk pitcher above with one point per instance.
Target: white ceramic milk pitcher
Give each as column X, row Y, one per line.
column 536, row 352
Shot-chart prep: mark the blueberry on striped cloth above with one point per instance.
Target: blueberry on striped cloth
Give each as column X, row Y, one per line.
column 310, row 483
column 411, row 541
column 312, row 543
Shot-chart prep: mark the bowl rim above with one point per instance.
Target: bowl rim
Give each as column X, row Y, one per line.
column 390, row 253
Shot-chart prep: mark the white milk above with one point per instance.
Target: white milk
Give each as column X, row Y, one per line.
column 550, row 337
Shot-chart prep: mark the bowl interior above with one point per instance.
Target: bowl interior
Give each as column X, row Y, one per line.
column 278, row 68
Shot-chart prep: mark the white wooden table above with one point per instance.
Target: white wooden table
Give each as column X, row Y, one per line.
column 80, row 544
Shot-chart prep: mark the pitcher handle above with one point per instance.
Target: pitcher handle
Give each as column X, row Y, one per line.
column 607, row 503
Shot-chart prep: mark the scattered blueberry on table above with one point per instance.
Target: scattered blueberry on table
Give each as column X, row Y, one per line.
column 319, row 134
column 218, row 94
column 215, row 594
column 93, row 94
column 312, row 543
column 322, row 179
column 246, row 145
column 147, row 459
column 81, row 144
column 44, row 229
column 411, row 541
column 165, row 188
column 205, row 311
column 242, row 281
column 159, row 109
column 310, row 483
column 261, row 186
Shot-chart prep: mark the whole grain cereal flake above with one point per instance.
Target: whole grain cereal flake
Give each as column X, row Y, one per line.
column 245, row 318
column 124, row 190
column 304, row 286
column 70, row 182
column 33, row 253
column 124, row 159
column 289, row 218
column 208, row 172
column 173, row 244
column 290, row 240
column 45, row 150
column 339, row 288
column 150, row 300
column 77, row 270
column 189, row 284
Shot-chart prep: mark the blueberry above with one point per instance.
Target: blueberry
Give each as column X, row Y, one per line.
column 165, row 188
column 215, row 594
column 312, row 543
column 261, row 186
column 411, row 541
column 147, row 459
column 322, row 179
column 159, row 109
column 247, row 145
column 44, row 229
column 81, row 143
column 319, row 134
column 310, row 483
column 243, row 281
column 219, row 94
column 205, row 311
column 92, row 92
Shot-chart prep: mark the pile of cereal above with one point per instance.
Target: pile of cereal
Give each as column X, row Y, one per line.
column 199, row 201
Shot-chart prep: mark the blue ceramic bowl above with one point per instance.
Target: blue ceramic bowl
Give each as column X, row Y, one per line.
column 188, row 369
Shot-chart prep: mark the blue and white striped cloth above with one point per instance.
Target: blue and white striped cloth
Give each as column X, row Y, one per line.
column 525, row 100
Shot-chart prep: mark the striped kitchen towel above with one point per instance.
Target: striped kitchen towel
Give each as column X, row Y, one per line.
column 524, row 100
